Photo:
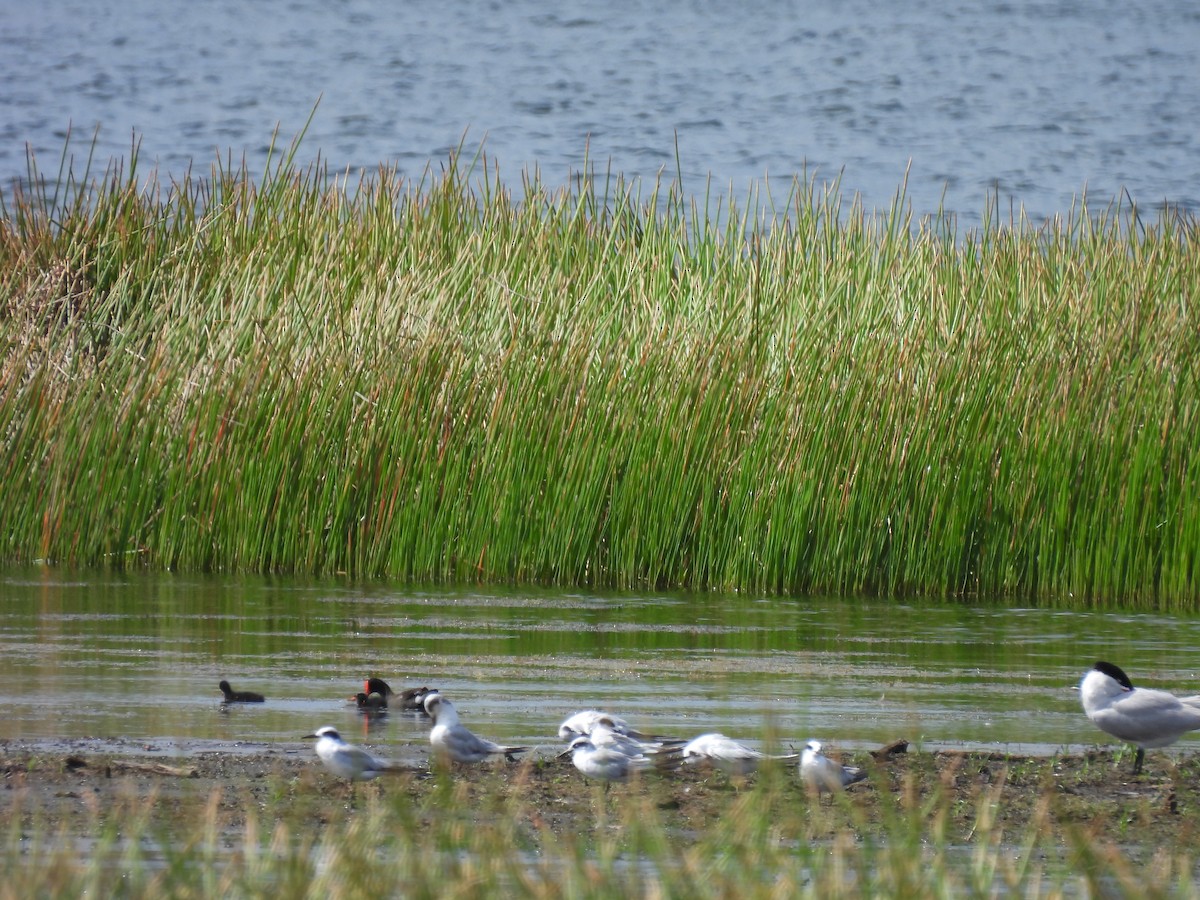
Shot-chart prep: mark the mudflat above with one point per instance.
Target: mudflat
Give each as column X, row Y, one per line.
column 73, row 787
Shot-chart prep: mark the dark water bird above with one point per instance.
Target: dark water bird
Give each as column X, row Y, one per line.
column 372, row 703
column 378, row 686
column 1144, row 717
column 409, row 698
column 414, row 698
column 232, row 696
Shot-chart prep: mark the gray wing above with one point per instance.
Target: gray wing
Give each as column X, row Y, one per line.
column 465, row 743
column 1149, row 718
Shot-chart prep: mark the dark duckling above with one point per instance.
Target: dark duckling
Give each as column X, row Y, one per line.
column 232, row 696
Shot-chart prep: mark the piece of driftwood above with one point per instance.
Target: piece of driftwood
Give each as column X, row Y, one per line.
column 892, row 749
column 153, row 768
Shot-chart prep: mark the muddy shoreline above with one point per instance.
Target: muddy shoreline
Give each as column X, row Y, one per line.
column 72, row 786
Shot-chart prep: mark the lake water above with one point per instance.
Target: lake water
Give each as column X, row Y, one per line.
column 1033, row 100
column 139, row 657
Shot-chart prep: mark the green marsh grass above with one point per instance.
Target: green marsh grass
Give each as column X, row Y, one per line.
column 607, row 385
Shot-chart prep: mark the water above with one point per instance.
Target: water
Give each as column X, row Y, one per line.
column 139, row 657
column 1036, row 101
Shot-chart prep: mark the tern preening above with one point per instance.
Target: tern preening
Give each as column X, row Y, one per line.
column 451, row 740
column 1144, row 717
column 232, row 696
column 821, row 774
column 584, row 722
column 604, row 736
column 346, row 760
column 664, row 757
column 727, row 754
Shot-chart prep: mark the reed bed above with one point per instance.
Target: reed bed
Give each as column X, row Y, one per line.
column 612, row 385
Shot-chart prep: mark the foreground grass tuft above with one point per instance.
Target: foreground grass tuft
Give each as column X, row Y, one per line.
column 605, row 386
column 927, row 825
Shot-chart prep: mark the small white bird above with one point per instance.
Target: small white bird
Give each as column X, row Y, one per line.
column 727, row 754
column 1144, row 717
column 821, row 774
column 347, row 760
column 451, row 740
column 583, row 723
column 608, row 763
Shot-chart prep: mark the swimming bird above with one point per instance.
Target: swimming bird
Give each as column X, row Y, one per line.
column 604, row 763
column 414, row 698
column 582, row 723
column 232, row 696
column 451, row 740
column 409, row 698
column 346, row 760
column 821, row 774
column 727, row 754
column 1144, row 717
column 371, row 703
column 378, row 686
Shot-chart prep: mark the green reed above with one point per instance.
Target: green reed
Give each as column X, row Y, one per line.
column 610, row 385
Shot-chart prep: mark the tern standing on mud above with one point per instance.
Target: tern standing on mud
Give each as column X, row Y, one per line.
column 346, row 760
column 1144, row 717
column 451, row 740
column 821, row 774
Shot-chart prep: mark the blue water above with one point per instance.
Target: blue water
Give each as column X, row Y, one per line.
column 1033, row 101
column 139, row 657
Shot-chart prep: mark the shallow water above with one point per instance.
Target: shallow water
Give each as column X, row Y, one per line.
column 1035, row 101
column 139, row 657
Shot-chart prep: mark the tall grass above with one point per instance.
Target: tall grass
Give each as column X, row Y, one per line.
column 611, row 385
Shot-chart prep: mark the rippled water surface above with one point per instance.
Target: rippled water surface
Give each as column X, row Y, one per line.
column 1035, row 100
column 139, row 657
